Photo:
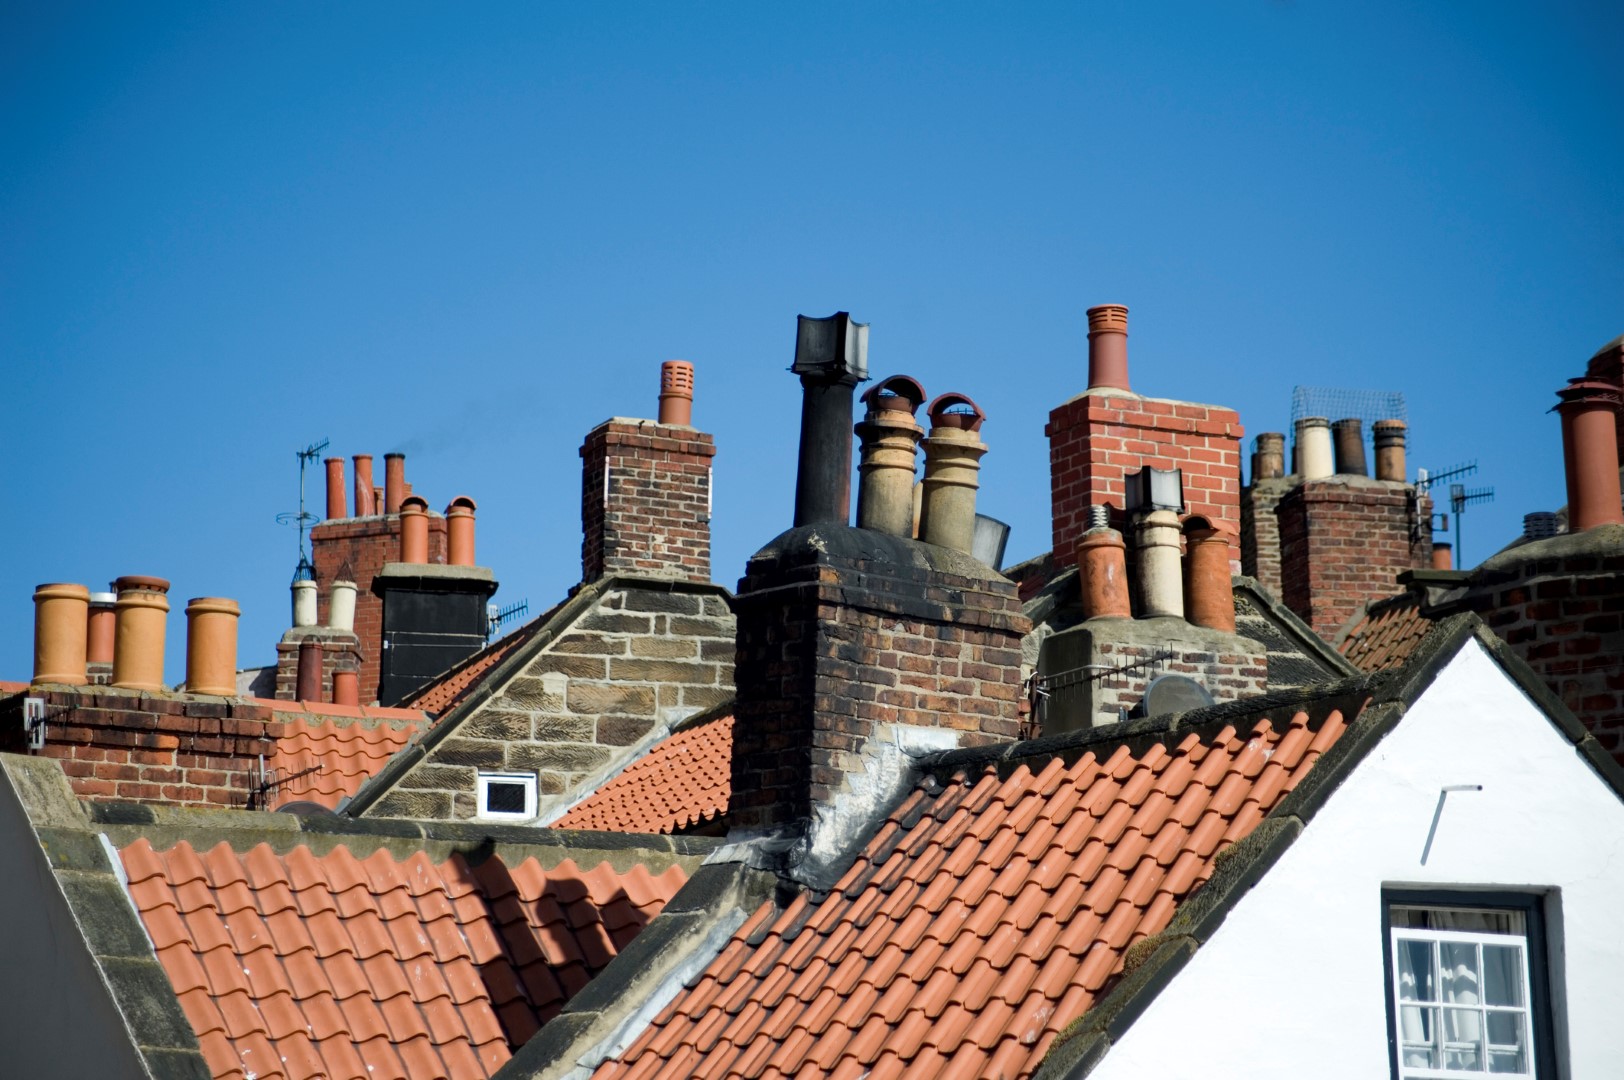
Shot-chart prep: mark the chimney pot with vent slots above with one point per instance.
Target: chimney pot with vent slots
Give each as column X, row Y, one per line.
column 61, row 621
column 1269, row 460
column 831, row 358
column 890, row 437
column 459, row 530
column 394, row 482
column 138, row 639
column 677, row 393
column 1389, row 436
column 211, row 645
column 365, row 501
column 414, row 530
column 1314, row 457
column 335, row 487
column 1108, row 346
column 953, row 453
column 1349, row 439
column 1589, row 413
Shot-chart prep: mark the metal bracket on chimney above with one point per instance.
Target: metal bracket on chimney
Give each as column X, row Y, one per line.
column 34, row 722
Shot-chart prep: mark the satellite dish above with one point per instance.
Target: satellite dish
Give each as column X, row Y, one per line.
column 303, row 808
column 1172, row 694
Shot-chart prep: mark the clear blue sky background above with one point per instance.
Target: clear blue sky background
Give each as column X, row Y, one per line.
column 471, row 232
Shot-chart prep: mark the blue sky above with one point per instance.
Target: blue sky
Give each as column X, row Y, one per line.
column 473, row 232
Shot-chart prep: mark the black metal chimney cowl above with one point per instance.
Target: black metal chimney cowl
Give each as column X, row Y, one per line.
column 831, row 357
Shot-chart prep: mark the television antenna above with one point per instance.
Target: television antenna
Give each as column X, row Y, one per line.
column 305, row 570
column 1460, row 497
column 495, row 616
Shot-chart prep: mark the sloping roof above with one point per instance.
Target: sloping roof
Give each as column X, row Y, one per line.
column 991, row 909
column 304, row 965
column 324, row 757
column 438, row 696
column 684, row 780
column 1386, row 634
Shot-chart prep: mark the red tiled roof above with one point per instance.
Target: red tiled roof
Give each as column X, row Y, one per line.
column 9, row 688
column 444, row 692
column 683, row 780
column 330, row 758
column 980, row 921
column 1387, row 635
column 301, row 965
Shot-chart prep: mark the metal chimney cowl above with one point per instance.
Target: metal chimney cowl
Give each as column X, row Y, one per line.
column 831, row 349
column 1154, row 489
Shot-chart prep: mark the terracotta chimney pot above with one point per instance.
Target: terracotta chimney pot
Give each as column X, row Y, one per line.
column 346, row 688
column 61, row 623
column 676, row 393
column 103, row 621
column 889, row 437
column 1349, row 439
column 953, row 454
column 1442, row 557
column 459, row 529
column 211, row 645
column 341, row 606
column 1102, row 562
column 138, row 640
column 1589, row 412
column 414, row 530
column 1389, row 437
column 1269, row 461
column 335, row 488
column 1209, row 591
column 1314, row 448
column 365, row 503
column 394, row 482
column 1108, row 346
column 307, row 686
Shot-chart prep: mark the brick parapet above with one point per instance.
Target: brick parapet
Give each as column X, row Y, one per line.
column 639, row 658
column 833, row 645
column 1344, row 541
column 646, row 500
column 1260, row 530
column 1099, row 437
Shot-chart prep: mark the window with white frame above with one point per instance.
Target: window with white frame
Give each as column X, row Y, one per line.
column 1468, row 985
column 505, row 796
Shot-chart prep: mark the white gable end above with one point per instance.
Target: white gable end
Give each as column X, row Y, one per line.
column 1293, row 983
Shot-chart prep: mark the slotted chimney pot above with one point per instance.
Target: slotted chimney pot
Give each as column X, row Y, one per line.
column 677, row 393
column 1108, row 346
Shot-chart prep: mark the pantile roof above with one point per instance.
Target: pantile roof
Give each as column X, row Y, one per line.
column 684, row 780
column 992, row 908
column 326, row 754
column 1386, row 634
column 306, row 965
column 445, row 691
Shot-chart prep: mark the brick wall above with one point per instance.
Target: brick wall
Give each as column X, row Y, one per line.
column 365, row 544
column 1343, row 541
column 841, row 630
column 1260, row 530
column 1095, row 439
column 125, row 745
column 639, row 657
column 339, row 652
column 653, row 516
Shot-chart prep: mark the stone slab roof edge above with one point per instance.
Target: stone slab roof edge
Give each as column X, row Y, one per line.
column 1309, row 641
column 558, row 620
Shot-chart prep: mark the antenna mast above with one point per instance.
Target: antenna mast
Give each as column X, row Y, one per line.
column 305, row 570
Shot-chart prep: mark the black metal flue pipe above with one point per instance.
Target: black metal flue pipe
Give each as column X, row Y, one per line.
column 831, row 357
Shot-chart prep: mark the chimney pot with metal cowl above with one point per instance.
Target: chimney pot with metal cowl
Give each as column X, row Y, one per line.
column 1390, row 437
column 1315, row 460
column 1155, row 498
column 459, row 527
column 1108, row 347
column 211, row 645
column 831, row 358
column 61, row 626
column 335, row 488
column 953, row 452
column 889, row 438
column 1209, row 589
column 366, row 504
column 138, row 645
column 1348, row 437
column 1269, row 459
column 414, row 529
column 1102, row 564
column 394, row 482
column 677, row 393
column 1589, row 413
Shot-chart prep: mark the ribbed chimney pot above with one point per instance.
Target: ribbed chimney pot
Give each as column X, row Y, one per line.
column 61, row 622
column 459, row 529
column 211, row 645
column 414, row 530
column 1348, row 437
column 953, row 452
column 366, row 503
column 889, row 436
column 1589, row 412
column 1314, row 448
column 1390, row 437
column 394, row 482
column 1209, row 591
column 1108, row 346
column 335, row 488
column 677, row 393
column 138, row 641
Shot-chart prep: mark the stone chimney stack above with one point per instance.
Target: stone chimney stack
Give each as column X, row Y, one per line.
column 646, row 493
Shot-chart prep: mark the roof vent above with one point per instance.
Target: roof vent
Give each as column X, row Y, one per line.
column 1540, row 524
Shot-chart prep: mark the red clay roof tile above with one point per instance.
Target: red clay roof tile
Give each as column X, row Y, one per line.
column 1386, row 635
column 323, row 759
column 684, row 780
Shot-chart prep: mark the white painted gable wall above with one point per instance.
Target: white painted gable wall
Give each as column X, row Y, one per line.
column 1292, row 983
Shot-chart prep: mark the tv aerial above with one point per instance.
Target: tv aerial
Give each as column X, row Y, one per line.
column 305, row 570
column 1460, row 497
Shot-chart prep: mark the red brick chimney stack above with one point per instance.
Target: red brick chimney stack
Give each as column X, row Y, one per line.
column 1589, row 412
